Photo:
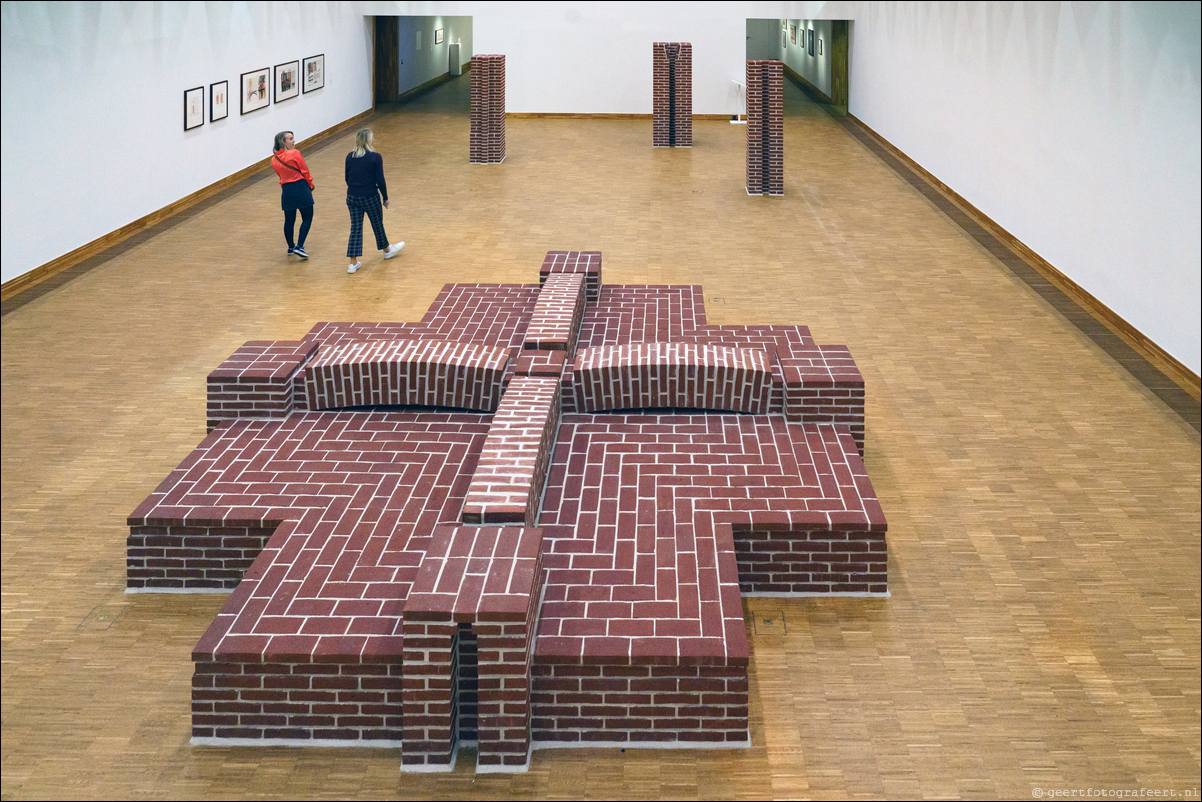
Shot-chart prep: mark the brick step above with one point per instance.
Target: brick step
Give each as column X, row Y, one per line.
column 555, row 322
column 507, row 485
column 663, row 375
column 407, row 372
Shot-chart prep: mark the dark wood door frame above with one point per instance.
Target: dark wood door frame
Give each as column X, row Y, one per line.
column 386, row 60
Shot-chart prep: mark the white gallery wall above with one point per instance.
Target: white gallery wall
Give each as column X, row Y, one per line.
column 1075, row 126
column 763, row 39
column 816, row 68
column 422, row 60
column 766, row 39
column 92, row 106
column 583, row 57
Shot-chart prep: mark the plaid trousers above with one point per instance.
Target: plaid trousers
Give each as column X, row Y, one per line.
column 375, row 213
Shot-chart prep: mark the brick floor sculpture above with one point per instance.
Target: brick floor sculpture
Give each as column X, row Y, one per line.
column 526, row 520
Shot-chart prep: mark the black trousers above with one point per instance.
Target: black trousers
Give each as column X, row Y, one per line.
column 290, row 223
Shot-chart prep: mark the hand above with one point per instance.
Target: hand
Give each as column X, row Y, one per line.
column 385, row 204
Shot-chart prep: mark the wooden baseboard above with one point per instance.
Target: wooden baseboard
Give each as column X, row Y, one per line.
column 1185, row 378
column 796, row 78
column 555, row 115
column 19, row 284
column 542, row 115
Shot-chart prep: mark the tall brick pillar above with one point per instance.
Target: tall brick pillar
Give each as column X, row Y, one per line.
column 765, row 128
column 488, row 110
column 672, row 77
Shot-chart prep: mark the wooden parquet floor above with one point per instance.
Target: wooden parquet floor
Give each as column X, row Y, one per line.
column 1043, row 504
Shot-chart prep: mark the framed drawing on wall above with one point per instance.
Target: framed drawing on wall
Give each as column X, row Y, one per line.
column 287, row 81
column 194, row 108
column 219, row 106
column 438, row 36
column 314, row 71
column 255, row 93
column 793, row 34
column 811, row 41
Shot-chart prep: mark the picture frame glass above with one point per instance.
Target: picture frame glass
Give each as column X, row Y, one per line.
column 438, row 36
column 255, row 90
column 219, row 101
column 313, row 73
column 287, row 81
column 194, row 108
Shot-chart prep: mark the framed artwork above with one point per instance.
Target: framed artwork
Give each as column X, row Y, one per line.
column 255, row 93
column 438, row 36
column 820, row 47
column 314, row 72
column 194, row 108
column 793, row 34
column 784, row 25
column 784, row 38
column 811, row 41
column 287, row 81
column 219, row 101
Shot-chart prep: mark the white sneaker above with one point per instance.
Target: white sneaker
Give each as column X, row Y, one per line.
column 393, row 250
column 354, row 266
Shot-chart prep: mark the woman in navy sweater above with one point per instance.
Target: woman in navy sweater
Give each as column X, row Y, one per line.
column 364, row 187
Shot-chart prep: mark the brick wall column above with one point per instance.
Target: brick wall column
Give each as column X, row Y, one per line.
column 504, row 694
column 506, row 623
column 765, row 128
column 428, row 725
column 490, row 577
column 487, row 140
column 672, row 90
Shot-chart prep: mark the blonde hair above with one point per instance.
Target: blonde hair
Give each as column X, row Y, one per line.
column 279, row 140
column 363, row 143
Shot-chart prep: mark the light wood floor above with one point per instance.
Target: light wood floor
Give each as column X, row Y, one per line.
column 1043, row 506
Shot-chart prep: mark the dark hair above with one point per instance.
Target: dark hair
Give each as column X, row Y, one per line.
column 279, row 141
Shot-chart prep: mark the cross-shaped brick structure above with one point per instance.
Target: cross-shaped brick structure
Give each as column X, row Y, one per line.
column 526, row 520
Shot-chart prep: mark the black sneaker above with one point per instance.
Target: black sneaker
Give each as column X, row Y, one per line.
column 299, row 251
column 291, row 250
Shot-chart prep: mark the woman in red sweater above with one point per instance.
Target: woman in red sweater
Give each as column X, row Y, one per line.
column 296, row 186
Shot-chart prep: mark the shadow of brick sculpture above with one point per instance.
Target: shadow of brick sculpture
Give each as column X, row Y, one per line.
column 765, row 128
column 525, row 521
column 672, row 89
column 487, row 140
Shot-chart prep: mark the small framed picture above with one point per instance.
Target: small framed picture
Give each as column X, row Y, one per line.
column 194, row 108
column 314, row 71
column 219, row 106
column 810, row 38
column 793, row 34
column 784, row 24
column 287, row 81
column 255, row 93
column 438, row 36
column 820, row 47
